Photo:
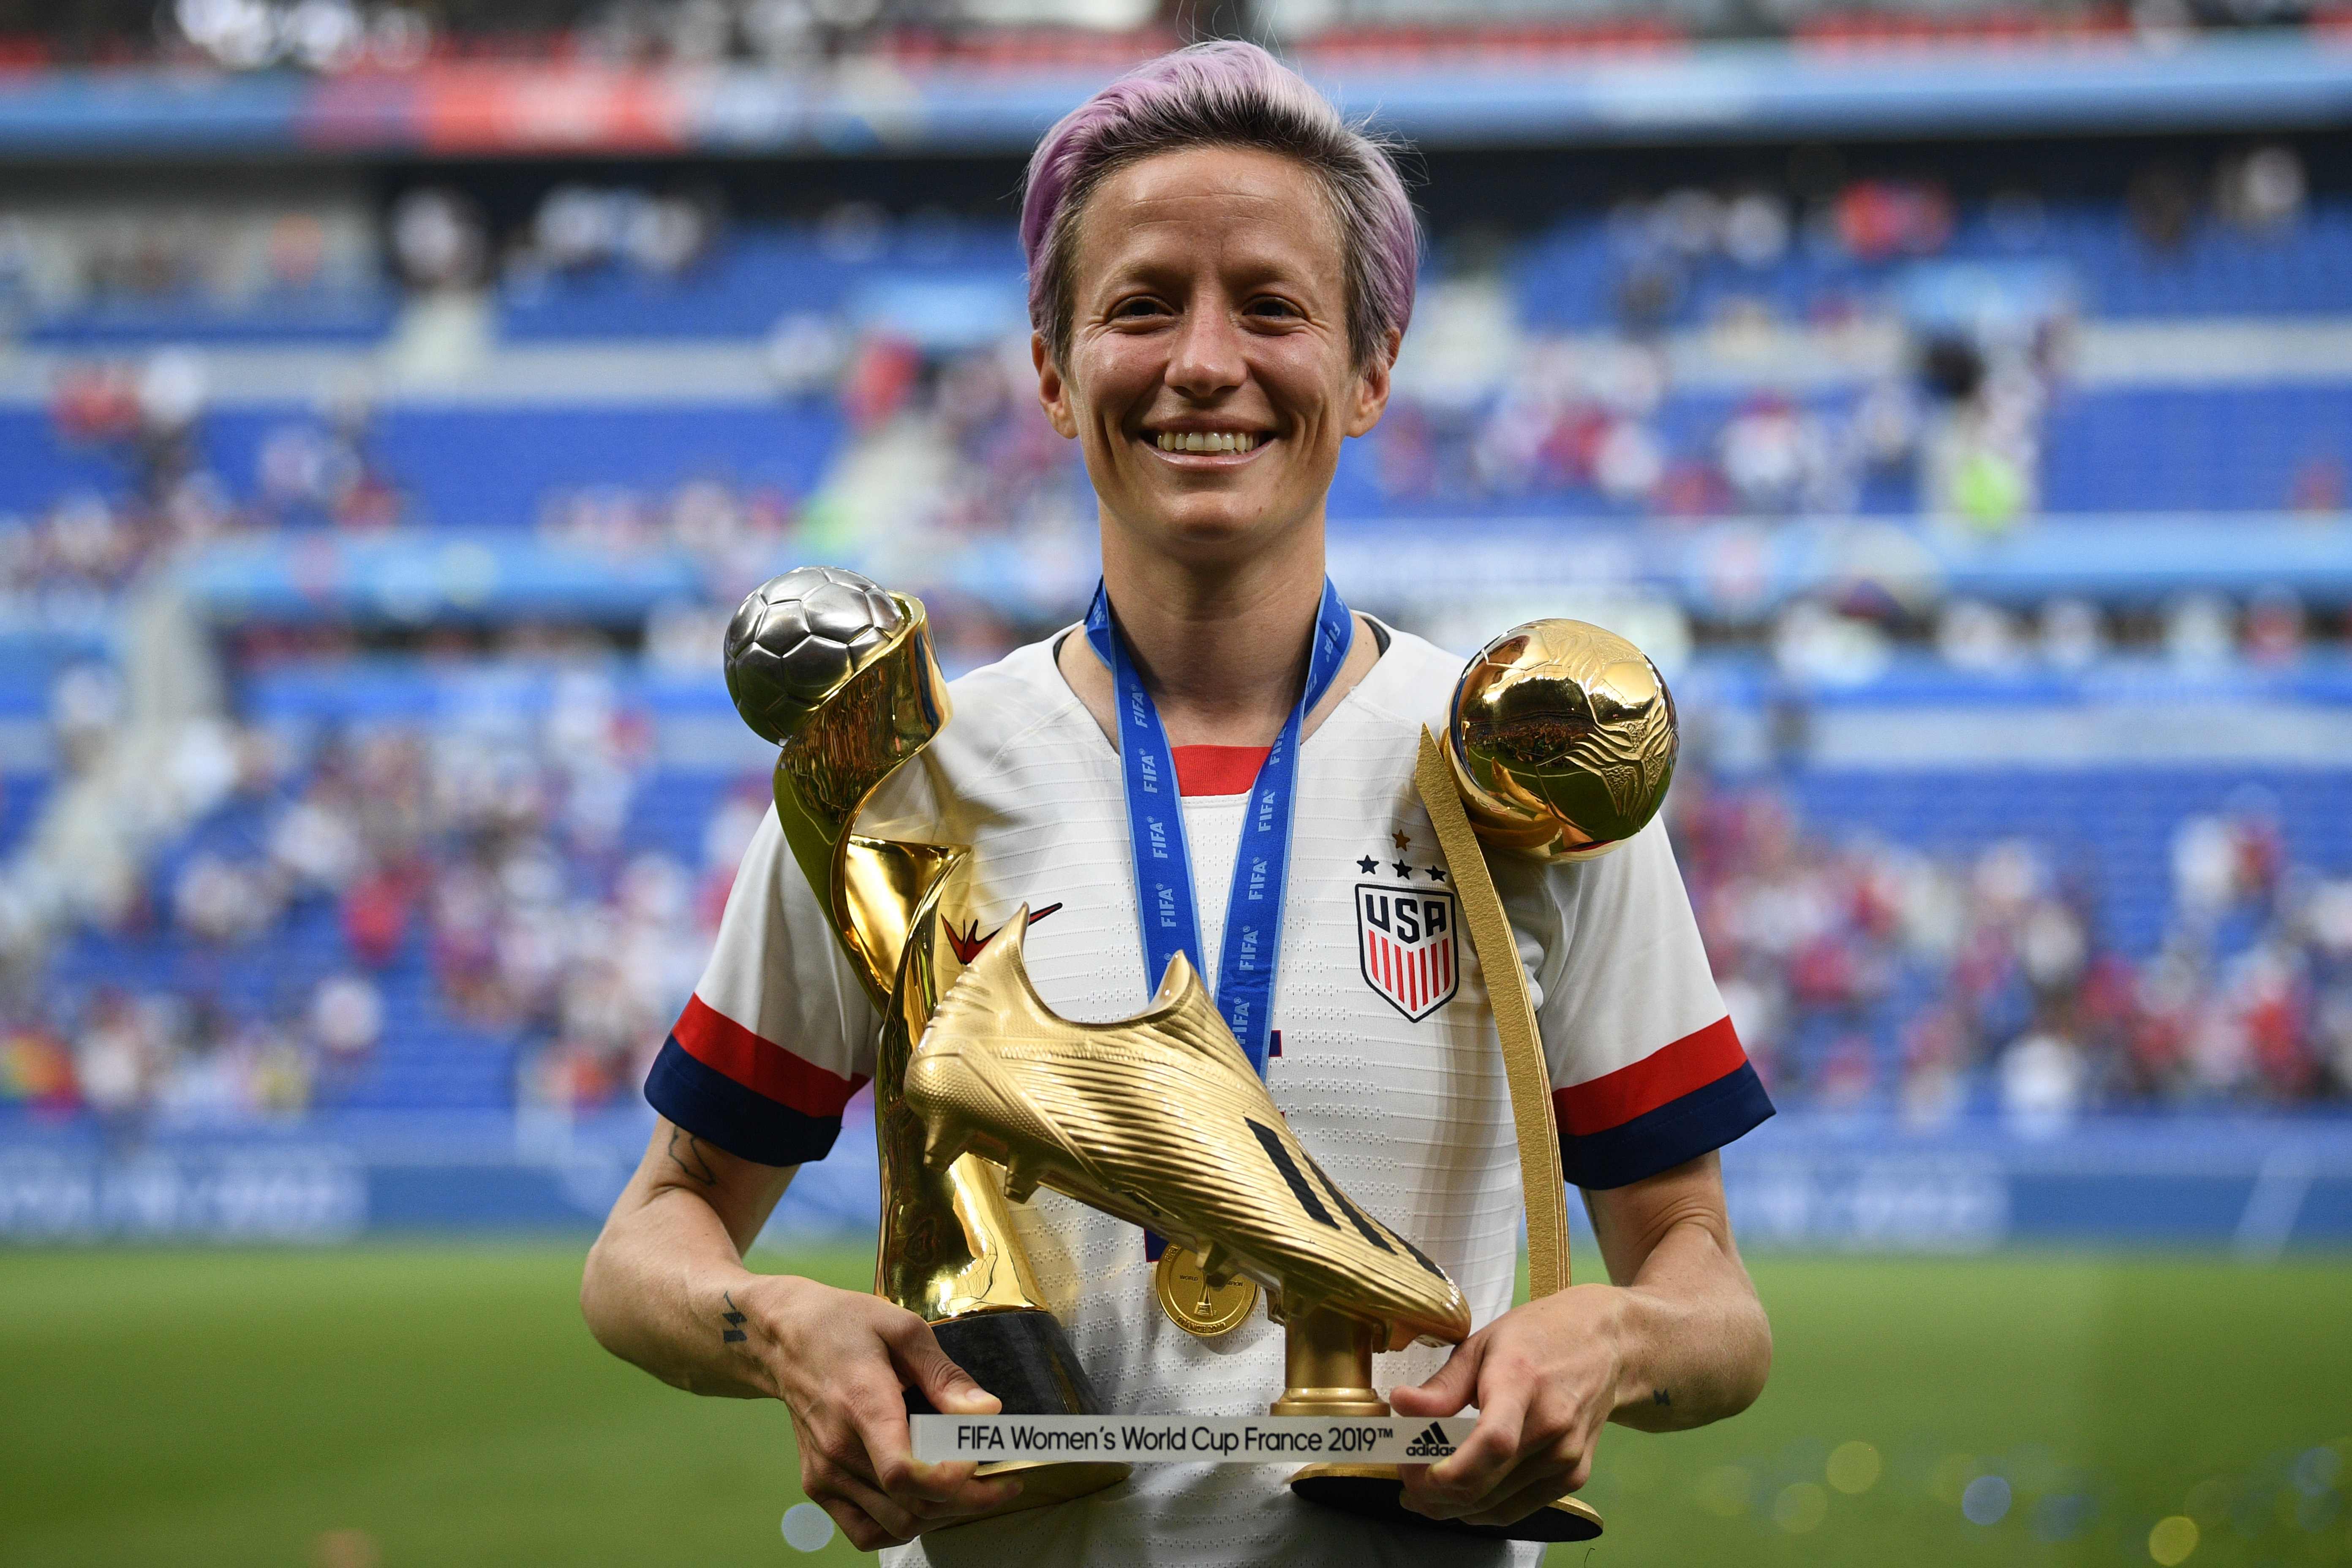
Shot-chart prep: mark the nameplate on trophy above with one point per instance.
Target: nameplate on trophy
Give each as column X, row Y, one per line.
column 1190, row 1439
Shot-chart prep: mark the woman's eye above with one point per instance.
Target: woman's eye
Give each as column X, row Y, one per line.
column 1273, row 308
column 1133, row 308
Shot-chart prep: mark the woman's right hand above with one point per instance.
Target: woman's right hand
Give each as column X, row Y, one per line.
column 840, row 1361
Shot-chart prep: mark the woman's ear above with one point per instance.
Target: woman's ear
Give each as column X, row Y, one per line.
column 1053, row 391
column 1372, row 385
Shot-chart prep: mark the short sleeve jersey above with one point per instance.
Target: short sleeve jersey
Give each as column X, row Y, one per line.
column 1384, row 1058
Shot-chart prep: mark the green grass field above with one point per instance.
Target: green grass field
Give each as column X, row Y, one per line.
column 444, row 1406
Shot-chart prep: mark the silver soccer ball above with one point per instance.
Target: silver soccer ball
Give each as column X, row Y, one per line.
column 795, row 638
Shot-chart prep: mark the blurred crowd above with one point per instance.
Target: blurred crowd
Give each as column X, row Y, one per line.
column 1856, row 635
column 1492, row 409
column 91, row 542
column 1955, row 434
column 439, row 238
column 140, row 421
column 414, row 884
column 382, row 891
column 161, row 254
column 1584, row 421
column 1866, row 974
column 352, row 899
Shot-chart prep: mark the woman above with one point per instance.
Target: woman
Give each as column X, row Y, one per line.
column 1221, row 272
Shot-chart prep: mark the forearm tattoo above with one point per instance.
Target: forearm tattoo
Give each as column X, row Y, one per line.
column 732, row 1335
column 690, row 1159
column 1662, row 1396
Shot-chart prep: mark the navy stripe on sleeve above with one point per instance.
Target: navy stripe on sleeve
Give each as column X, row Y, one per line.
column 1704, row 1120
column 744, row 1122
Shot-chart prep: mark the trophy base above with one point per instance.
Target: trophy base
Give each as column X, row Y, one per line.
column 1376, row 1492
column 1022, row 1356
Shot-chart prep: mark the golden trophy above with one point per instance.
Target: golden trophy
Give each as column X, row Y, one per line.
column 840, row 674
column 1562, row 742
column 1559, row 746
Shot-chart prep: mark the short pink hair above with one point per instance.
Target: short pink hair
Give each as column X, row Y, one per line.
column 1225, row 94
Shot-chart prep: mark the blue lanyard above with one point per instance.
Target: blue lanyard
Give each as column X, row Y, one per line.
column 1165, row 902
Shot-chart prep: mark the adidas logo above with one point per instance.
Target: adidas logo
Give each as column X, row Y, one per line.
column 1432, row 1444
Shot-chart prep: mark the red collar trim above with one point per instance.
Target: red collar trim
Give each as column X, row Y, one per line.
column 1218, row 770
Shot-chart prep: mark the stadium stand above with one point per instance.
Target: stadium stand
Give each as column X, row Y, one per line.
column 455, row 465
column 279, row 316
column 584, row 286
column 1687, row 259
column 2005, row 797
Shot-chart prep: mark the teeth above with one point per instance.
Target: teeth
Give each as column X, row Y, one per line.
column 1206, row 441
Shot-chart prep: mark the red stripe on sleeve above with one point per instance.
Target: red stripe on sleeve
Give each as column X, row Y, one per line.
column 1664, row 1074
column 722, row 1044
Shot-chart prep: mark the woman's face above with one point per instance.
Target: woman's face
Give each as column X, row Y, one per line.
column 1209, row 376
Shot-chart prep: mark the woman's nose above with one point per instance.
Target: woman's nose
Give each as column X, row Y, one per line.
column 1208, row 357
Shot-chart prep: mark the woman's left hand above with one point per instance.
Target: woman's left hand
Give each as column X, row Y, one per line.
column 1544, row 1377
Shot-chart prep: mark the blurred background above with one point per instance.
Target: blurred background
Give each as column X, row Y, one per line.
column 1955, row 397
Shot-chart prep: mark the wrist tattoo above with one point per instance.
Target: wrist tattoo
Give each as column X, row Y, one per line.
column 732, row 1335
column 1662, row 1396
column 691, row 1160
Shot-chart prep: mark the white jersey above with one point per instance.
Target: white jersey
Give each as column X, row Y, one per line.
column 1385, row 1058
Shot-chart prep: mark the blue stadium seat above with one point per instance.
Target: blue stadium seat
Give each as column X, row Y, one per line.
column 1572, row 277
column 470, row 466
column 319, row 317
column 2117, row 824
column 2225, row 448
column 22, row 795
column 754, row 278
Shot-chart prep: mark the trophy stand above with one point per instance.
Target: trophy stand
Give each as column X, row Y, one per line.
column 1328, row 1368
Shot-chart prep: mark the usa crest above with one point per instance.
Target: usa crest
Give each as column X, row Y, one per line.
column 1404, row 938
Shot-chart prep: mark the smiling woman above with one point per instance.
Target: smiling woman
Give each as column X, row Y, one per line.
column 1206, row 365
column 1221, row 273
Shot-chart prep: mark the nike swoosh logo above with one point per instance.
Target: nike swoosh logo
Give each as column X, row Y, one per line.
column 968, row 942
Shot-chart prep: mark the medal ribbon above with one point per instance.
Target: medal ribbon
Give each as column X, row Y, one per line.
column 1166, row 906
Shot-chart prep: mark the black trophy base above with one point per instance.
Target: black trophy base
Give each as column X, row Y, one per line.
column 1023, row 1357
column 1374, row 1493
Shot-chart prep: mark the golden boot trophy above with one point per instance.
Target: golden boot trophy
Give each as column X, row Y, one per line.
column 840, row 674
column 1562, row 737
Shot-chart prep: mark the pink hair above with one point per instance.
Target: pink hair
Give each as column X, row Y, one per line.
column 1223, row 94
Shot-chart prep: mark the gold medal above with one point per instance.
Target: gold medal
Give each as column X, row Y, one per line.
column 1194, row 1305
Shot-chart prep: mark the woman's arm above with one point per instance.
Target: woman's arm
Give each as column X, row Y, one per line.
column 662, row 1274
column 1678, row 1339
column 665, row 1288
column 1696, row 1344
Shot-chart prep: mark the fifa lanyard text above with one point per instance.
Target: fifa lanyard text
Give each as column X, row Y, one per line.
column 1166, row 904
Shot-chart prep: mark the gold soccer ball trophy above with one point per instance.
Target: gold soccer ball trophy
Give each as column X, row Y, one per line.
column 1559, row 746
column 839, row 674
column 1562, row 740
